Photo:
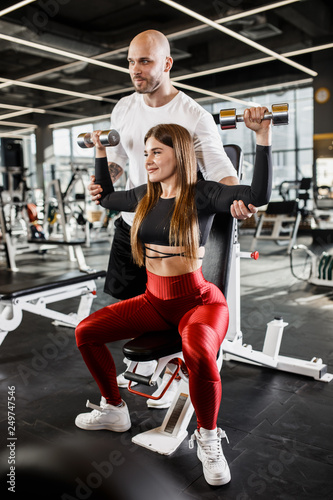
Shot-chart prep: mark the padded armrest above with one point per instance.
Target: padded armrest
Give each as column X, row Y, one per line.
column 153, row 345
column 282, row 207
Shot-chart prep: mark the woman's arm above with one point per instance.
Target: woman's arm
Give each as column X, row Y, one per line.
column 259, row 192
column 219, row 197
column 115, row 200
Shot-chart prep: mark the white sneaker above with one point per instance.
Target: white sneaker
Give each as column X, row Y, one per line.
column 109, row 417
column 167, row 399
column 145, row 368
column 215, row 467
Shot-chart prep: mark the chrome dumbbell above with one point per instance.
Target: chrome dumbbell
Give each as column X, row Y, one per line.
column 279, row 116
column 107, row 138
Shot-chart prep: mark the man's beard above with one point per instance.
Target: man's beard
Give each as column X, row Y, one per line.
column 148, row 88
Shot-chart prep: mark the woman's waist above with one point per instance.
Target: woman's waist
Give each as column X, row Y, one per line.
column 177, row 285
column 170, row 261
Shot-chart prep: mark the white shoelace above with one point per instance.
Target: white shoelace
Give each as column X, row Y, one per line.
column 211, row 446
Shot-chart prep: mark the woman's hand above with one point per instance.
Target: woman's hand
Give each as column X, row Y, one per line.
column 94, row 190
column 100, row 151
column 253, row 119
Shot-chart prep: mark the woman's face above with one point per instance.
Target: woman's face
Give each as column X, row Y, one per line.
column 160, row 161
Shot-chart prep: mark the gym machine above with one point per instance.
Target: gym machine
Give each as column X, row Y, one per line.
column 25, row 292
column 18, row 216
column 321, row 266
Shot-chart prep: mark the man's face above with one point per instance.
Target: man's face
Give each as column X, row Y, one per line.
column 147, row 66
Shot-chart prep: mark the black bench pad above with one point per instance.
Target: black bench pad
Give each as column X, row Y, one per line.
column 282, row 207
column 42, row 241
column 153, row 345
column 14, row 285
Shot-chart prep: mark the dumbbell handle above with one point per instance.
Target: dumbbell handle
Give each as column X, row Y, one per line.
column 107, row 138
column 278, row 115
column 267, row 116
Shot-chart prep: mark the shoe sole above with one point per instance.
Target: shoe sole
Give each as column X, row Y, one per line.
column 101, row 427
column 217, row 482
column 158, row 407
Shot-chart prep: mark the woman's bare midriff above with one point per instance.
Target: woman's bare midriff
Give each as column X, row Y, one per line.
column 170, row 266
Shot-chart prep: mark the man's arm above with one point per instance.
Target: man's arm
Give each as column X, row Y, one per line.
column 115, row 171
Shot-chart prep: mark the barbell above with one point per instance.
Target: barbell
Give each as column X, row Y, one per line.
column 107, row 138
column 279, row 116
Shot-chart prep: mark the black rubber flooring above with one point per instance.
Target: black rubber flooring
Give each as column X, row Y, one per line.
column 279, row 425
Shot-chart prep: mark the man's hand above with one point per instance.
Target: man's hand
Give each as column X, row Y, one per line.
column 94, row 190
column 241, row 212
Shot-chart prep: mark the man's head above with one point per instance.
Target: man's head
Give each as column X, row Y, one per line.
column 149, row 61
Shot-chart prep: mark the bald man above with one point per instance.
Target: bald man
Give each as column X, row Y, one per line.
column 155, row 101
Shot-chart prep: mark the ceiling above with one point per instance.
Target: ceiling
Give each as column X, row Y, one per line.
column 76, row 67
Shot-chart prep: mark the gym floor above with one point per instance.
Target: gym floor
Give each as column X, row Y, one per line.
column 279, row 425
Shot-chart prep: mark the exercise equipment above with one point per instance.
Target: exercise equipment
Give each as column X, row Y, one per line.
column 281, row 220
column 221, row 266
column 16, row 223
column 35, row 228
column 107, row 138
column 279, row 116
column 72, row 246
column 279, row 223
column 321, row 267
column 24, row 292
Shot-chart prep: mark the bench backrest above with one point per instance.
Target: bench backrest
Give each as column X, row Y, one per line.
column 216, row 263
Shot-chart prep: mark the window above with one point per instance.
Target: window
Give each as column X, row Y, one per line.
column 69, row 156
column 292, row 145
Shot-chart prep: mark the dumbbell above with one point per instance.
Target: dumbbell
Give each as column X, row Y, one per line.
column 107, row 138
column 279, row 116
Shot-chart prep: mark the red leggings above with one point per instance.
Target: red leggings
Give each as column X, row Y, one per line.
column 196, row 306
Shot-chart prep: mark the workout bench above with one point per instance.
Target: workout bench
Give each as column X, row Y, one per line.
column 73, row 246
column 24, row 292
column 221, row 266
column 283, row 219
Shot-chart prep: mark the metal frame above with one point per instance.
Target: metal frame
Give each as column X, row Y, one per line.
column 234, row 349
column 11, row 310
column 277, row 221
column 166, row 438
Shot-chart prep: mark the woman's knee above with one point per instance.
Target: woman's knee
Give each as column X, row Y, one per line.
column 80, row 333
column 200, row 348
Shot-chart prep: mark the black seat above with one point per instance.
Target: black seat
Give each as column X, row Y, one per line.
column 216, row 266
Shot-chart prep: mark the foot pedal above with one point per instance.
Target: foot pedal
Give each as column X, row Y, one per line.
column 166, row 438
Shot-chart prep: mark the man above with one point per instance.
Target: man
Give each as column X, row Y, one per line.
column 155, row 101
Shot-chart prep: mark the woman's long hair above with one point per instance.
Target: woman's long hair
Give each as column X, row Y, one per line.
column 184, row 231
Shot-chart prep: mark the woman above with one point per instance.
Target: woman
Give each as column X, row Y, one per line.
column 173, row 217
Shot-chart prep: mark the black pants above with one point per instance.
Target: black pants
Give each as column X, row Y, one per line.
column 124, row 279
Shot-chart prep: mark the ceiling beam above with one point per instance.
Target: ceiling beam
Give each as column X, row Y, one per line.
column 238, row 36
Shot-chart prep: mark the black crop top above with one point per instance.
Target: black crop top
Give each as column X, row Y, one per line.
column 211, row 197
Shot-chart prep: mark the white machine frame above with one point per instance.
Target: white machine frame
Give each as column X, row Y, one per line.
column 234, row 349
column 279, row 233
column 166, row 438
column 11, row 310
